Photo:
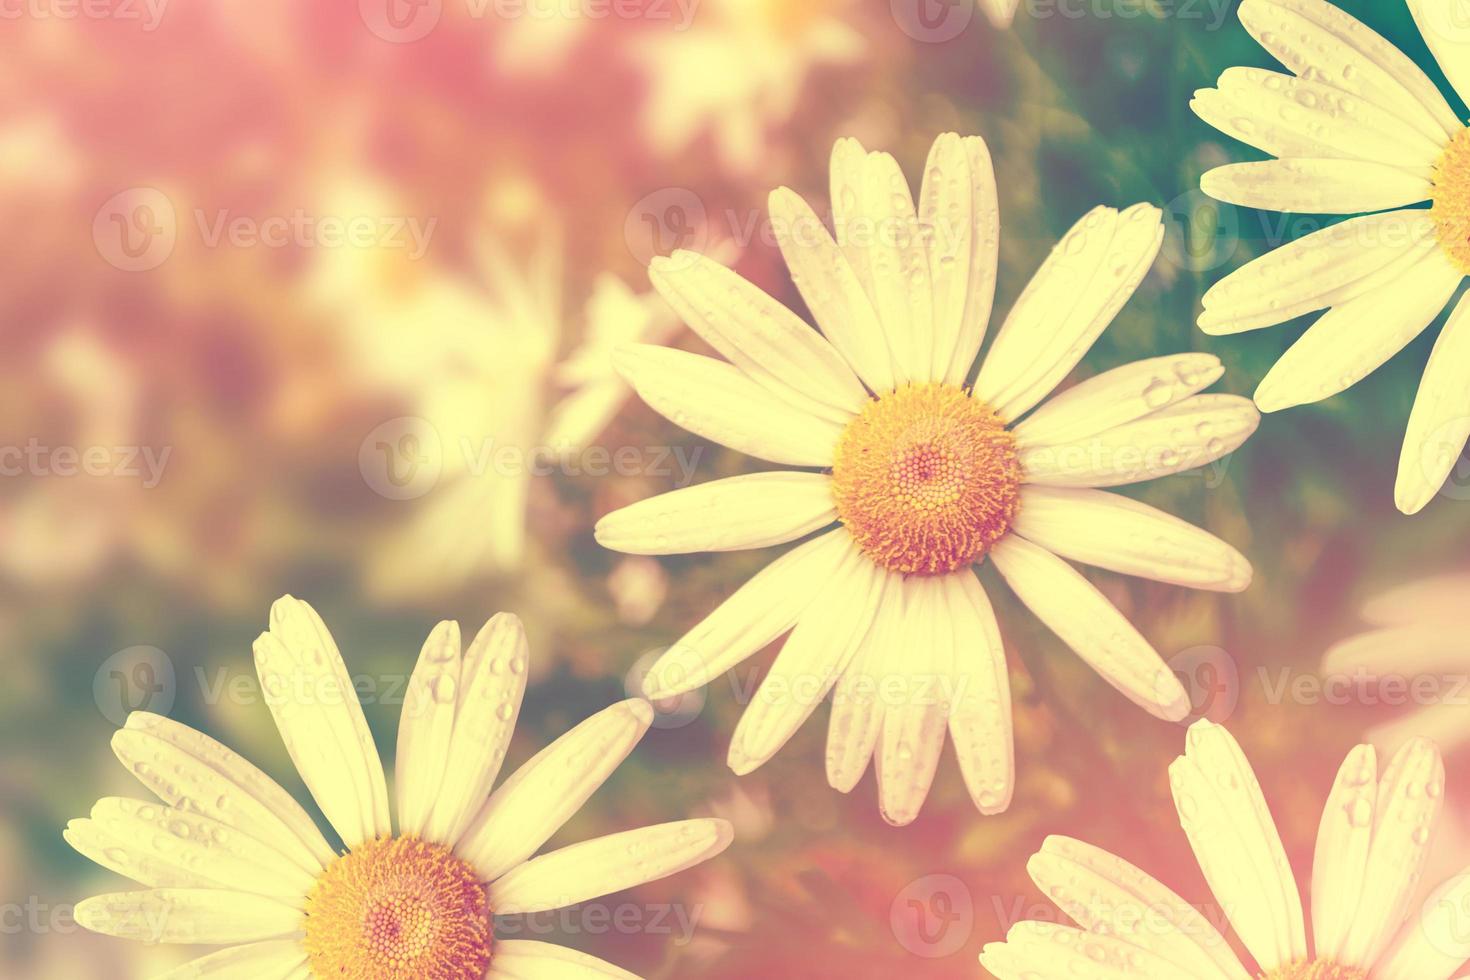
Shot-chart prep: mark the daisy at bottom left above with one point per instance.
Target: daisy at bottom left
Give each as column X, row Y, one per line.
column 229, row 858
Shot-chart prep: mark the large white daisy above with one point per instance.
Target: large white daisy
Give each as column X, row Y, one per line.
column 925, row 476
column 1416, row 658
column 230, row 859
column 1358, row 128
column 1371, row 850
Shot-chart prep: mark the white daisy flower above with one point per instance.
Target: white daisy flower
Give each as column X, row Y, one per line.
column 1371, row 850
column 1358, row 128
column 925, row 476
column 1418, row 654
column 230, row 859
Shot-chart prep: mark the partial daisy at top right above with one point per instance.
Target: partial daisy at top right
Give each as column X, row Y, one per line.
column 1359, row 129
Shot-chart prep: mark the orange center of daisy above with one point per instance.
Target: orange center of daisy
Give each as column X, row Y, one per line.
column 926, row 479
column 398, row 909
column 1316, row 970
column 1451, row 210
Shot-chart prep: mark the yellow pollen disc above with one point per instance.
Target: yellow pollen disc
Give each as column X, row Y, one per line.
column 398, row 909
column 1316, row 970
column 926, row 479
column 1451, row 210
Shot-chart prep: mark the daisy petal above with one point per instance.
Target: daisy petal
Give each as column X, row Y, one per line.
column 1315, row 186
column 317, row 712
column 815, row 655
column 759, row 611
column 179, row 764
column 1445, row 30
column 831, row 288
column 1127, row 536
column 1440, row 421
column 1351, row 341
column 1182, row 437
column 718, row 401
column 1330, row 266
column 1118, row 396
column 1442, row 722
column 1106, row 895
column 1434, row 944
column 1439, row 597
column 487, row 701
column 426, row 728
column 1073, row 297
column 543, row 794
column 275, row 959
column 758, row 335
column 753, row 511
column 1237, row 846
column 1319, row 40
column 1399, row 651
column 914, row 726
column 1074, row 609
column 1299, row 117
column 946, row 215
column 526, row 959
column 1410, row 797
column 980, row 722
column 188, row 915
column 172, row 847
column 1342, row 852
column 604, row 865
column 857, row 710
column 1045, row 949
column 1000, row 12
column 984, row 256
column 898, row 267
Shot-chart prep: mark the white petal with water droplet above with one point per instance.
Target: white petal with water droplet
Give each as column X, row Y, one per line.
column 316, row 710
column 815, row 655
column 758, row 612
column 1410, row 797
column 898, row 267
column 188, row 915
column 1327, row 267
column 1341, row 856
column 716, row 400
column 753, row 511
column 1447, row 32
column 426, row 728
column 1106, row 895
column 604, row 865
column 1349, row 342
column 980, row 721
column 831, row 287
column 1067, row 305
column 1074, row 609
column 857, row 708
column 1118, row 396
column 534, row 803
column 1127, row 536
column 1440, row 421
column 274, row 959
column 487, row 701
column 758, row 335
column 1184, row 436
column 1435, row 944
column 1045, row 949
column 192, row 771
column 1238, row 848
column 916, row 721
column 1315, row 186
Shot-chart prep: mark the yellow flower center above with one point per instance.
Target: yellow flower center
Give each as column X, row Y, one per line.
column 1451, row 209
column 1316, row 970
column 399, row 909
column 926, row 479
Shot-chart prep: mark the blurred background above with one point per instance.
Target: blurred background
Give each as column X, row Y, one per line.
column 319, row 300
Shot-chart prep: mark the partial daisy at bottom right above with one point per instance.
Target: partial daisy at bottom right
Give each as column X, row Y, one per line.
column 1370, row 856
